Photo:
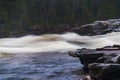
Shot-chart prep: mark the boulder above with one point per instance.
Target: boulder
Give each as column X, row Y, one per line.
column 100, row 62
column 99, row 27
column 101, row 71
column 86, row 56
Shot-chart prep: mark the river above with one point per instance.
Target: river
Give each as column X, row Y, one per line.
column 45, row 57
column 40, row 66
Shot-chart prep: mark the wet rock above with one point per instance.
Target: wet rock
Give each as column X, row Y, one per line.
column 89, row 58
column 100, row 62
column 99, row 27
column 101, row 59
column 112, row 58
column 118, row 60
column 101, row 71
column 112, row 72
column 94, row 70
column 86, row 57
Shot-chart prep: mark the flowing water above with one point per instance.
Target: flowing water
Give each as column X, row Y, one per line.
column 45, row 57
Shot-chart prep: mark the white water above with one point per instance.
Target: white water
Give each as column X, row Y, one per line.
column 56, row 42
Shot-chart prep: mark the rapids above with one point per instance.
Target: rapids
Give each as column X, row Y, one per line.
column 56, row 42
column 47, row 58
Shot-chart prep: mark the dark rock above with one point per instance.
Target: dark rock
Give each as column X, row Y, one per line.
column 101, row 55
column 102, row 63
column 99, row 27
column 86, row 56
column 94, row 70
column 118, row 60
column 86, row 59
column 101, row 71
column 101, row 59
column 111, row 58
column 111, row 72
column 116, row 46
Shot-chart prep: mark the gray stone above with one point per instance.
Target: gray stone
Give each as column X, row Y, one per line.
column 99, row 27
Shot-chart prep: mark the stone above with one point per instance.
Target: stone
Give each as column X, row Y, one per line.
column 118, row 60
column 100, row 62
column 94, row 70
column 86, row 56
column 111, row 58
column 98, row 27
column 101, row 71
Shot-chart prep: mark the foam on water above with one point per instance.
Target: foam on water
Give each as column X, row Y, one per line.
column 56, row 42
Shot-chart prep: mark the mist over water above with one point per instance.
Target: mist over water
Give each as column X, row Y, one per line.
column 56, row 42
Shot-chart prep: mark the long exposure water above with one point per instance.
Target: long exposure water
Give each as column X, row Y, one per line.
column 39, row 66
column 45, row 57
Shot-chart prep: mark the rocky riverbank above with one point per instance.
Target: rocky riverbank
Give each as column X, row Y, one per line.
column 99, row 27
column 101, row 63
column 96, row 28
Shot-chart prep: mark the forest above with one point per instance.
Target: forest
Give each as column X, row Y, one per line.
column 52, row 16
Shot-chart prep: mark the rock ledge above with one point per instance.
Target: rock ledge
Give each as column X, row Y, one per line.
column 100, row 62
